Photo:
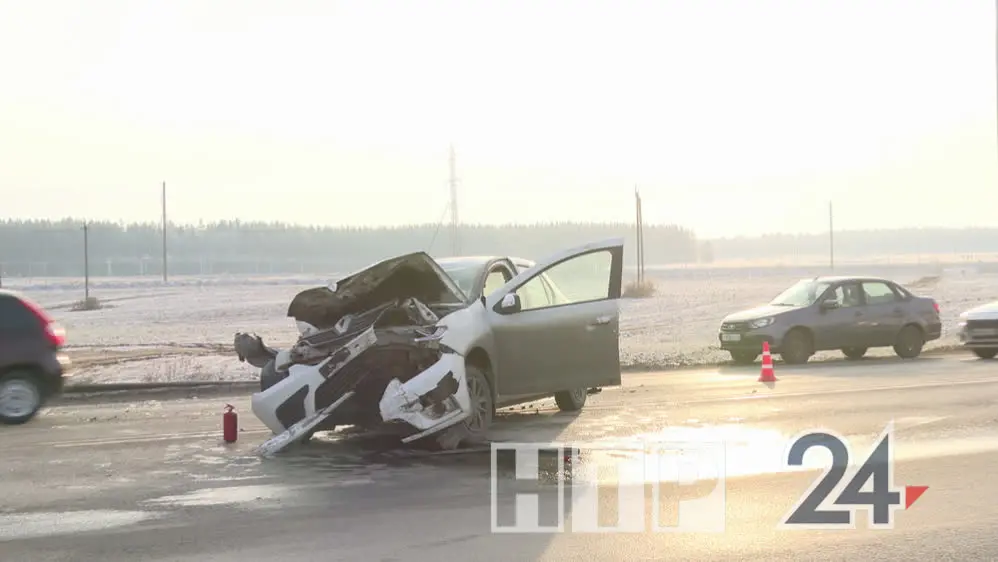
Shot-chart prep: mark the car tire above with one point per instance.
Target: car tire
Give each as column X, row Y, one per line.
column 269, row 376
column 21, row 396
column 571, row 400
column 796, row 347
column 910, row 341
column 986, row 352
column 743, row 357
column 854, row 352
column 473, row 430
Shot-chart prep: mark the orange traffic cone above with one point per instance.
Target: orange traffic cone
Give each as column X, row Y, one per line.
column 767, row 374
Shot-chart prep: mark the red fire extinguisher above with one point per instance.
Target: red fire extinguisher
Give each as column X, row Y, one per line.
column 230, row 424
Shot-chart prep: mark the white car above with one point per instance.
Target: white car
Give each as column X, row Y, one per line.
column 979, row 330
column 402, row 343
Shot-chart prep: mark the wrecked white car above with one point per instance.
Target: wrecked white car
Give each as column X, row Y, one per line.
column 435, row 346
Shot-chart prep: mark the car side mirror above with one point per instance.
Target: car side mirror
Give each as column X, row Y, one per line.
column 829, row 304
column 509, row 304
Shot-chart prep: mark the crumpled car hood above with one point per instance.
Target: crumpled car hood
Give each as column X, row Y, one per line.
column 414, row 275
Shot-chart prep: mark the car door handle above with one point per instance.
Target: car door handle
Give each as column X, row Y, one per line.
column 897, row 312
column 601, row 321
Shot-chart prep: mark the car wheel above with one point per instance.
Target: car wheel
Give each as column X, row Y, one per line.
column 571, row 400
column 986, row 353
column 909, row 343
column 743, row 357
column 854, row 352
column 269, row 376
column 796, row 347
column 21, row 396
column 474, row 429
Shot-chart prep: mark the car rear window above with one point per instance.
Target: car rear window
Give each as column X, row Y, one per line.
column 905, row 293
column 15, row 316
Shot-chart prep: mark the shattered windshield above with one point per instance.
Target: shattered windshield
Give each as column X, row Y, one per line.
column 802, row 293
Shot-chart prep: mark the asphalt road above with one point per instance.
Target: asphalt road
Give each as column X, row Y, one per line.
column 152, row 480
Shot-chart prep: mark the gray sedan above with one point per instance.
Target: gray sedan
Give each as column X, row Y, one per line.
column 851, row 314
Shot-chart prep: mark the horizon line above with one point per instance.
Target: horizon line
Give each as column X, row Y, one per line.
column 283, row 225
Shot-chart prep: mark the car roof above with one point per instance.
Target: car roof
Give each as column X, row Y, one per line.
column 467, row 261
column 8, row 295
column 841, row 278
column 464, row 260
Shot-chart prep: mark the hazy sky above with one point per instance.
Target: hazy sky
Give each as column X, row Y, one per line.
column 733, row 117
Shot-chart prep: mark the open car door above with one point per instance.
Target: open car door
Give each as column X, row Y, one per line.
column 556, row 325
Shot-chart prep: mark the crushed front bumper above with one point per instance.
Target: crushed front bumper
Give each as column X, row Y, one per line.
column 433, row 400
column 430, row 401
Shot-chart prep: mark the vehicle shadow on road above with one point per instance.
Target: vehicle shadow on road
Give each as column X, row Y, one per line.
column 354, row 446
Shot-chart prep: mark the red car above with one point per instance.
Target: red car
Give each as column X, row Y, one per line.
column 32, row 369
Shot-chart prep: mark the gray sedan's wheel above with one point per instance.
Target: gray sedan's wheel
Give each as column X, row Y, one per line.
column 909, row 343
column 473, row 430
column 571, row 400
column 796, row 347
column 21, row 397
column 986, row 352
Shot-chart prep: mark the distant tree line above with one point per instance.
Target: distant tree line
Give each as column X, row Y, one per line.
column 55, row 248
column 861, row 243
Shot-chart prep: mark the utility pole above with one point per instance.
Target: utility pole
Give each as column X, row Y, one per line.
column 831, row 239
column 641, row 218
column 86, row 265
column 164, row 232
column 454, row 222
column 639, row 235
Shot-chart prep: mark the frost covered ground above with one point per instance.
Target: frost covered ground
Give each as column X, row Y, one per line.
column 182, row 330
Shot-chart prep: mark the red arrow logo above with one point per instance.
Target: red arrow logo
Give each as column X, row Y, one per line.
column 912, row 493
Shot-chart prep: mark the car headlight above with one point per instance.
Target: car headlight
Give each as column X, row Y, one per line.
column 761, row 323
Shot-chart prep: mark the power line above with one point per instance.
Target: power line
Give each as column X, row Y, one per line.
column 440, row 222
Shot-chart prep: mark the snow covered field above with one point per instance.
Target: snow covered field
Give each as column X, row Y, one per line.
column 187, row 324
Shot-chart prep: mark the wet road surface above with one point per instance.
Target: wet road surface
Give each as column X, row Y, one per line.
column 153, row 481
